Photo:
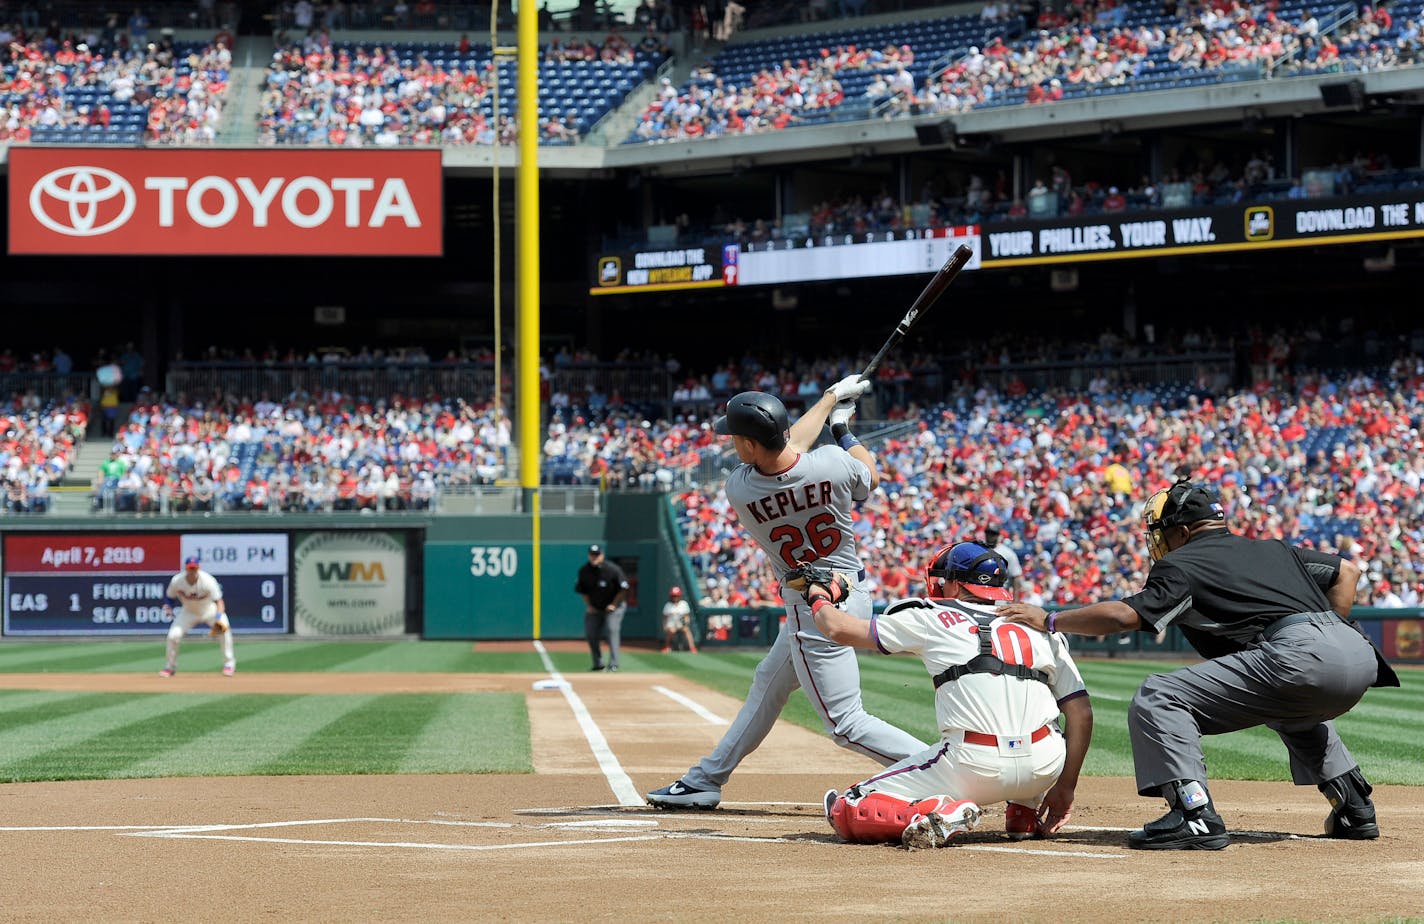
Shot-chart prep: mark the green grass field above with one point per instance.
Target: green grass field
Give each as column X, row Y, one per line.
column 50, row 735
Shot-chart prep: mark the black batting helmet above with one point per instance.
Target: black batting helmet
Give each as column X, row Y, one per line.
column 757, row 415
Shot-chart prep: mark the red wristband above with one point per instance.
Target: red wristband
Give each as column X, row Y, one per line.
column 817, row 603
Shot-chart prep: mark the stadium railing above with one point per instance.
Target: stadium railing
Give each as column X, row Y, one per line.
column 632, row 381
column 1160, row 370
column 161, row 14
column 451, row 499
column 47, row 385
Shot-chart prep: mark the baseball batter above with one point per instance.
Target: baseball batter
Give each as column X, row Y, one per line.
column 199, row 597
column 795, row 502
column 1271, row 620
column 999, row 689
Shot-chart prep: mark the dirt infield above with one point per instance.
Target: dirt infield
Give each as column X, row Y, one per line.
column 564, row 844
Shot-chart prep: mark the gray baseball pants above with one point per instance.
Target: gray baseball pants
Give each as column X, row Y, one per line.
column 830, row 675
column 1293, row 683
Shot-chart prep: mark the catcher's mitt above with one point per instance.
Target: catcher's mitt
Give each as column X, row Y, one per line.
column 816, row 583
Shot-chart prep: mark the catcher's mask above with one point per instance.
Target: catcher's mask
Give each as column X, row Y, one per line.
column 983, row 572
column 1183, row 504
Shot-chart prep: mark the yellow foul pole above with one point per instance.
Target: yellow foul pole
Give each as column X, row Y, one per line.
column 526, row 223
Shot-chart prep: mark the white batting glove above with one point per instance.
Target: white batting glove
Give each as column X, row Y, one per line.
column 841, row 413
column 849, row 388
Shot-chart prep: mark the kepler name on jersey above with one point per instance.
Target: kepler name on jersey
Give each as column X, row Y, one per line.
column 775, row 505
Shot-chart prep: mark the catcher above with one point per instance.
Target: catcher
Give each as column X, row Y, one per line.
column 201, row 597
column 998, row 692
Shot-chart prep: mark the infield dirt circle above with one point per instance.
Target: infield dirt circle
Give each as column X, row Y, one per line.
column 562, row 844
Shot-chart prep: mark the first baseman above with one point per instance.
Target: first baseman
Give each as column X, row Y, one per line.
column 201, row 599
column 999, row 689
column 1272, row 620
column 795, row 501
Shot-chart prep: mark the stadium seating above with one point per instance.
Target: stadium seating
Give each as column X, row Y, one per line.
column 75, row 95
column 37, row 448
column 1333, row 463
column 434, row 93
column 964, row 62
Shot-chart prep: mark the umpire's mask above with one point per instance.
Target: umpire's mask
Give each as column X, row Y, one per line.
column 1183, row 504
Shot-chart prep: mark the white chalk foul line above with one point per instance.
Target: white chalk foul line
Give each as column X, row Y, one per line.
column 618, row 780
column 404, row 844
column 697, row 708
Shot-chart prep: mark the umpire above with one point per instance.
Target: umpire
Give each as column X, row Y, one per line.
column 604, row 588
column 1272, row 620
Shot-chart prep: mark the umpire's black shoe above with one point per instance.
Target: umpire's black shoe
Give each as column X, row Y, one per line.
column 1200, row 829
column 1352, row 814
column 1191, row 822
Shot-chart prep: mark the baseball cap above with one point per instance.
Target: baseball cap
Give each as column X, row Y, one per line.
column 595, row 549
column 190, row 562
column 978, row 570
column 1194, row 504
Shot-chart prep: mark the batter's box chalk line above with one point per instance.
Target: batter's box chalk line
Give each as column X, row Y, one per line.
column 626, row 827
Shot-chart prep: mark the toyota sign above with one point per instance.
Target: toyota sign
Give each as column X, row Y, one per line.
column 270, row 202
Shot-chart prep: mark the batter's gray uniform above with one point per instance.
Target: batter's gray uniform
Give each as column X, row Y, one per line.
column 798, row 515
column 1277, row 656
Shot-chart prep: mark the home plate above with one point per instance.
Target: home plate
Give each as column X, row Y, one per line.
column 604, row 823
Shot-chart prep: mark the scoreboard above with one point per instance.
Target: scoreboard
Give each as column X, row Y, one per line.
column 116, row 583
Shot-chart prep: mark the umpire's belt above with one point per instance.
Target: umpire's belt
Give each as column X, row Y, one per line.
column 992, row 741
column 1295, row 619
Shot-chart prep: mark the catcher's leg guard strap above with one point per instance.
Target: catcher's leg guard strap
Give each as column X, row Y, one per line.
column 879, row 818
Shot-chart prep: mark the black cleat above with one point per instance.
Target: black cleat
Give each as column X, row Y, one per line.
column 1191, row 822
column 1352, row 814
column 1200, row 829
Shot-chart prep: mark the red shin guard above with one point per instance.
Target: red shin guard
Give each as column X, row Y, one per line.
column 878, row 818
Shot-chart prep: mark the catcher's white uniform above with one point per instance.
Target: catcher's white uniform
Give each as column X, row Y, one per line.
column 1000, row 740
column 199, row 604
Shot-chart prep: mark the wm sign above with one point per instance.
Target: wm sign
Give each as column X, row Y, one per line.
column 350, row 571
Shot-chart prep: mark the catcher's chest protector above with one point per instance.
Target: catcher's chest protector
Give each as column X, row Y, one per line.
column 986, row 662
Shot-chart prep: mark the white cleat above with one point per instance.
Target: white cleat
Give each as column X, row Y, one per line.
column 938, row 829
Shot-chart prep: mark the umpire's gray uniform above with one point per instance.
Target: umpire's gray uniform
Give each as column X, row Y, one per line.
column 1277, row 656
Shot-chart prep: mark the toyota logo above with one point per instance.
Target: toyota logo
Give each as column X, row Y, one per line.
column 81, row 197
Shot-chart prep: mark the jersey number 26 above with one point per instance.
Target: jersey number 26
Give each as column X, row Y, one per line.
column 820, row 538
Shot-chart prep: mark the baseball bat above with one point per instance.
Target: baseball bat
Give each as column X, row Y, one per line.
column 927, row 298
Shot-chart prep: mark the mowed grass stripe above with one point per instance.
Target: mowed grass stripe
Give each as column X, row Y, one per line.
column 112, row 754
column 307, row 656
column 372, row 738
column 473, row 733
column 413, row 656
column 83, row 732
column 90, row 659
column 263, row 729
column 40, row 703
column 56, row 706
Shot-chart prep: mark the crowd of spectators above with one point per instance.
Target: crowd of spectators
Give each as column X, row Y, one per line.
column 37, row 446
column 769, row 101
column 1064, row 475
column 1089, row 43
column 318, row 92
column 304, row 453
column 1329, row 459
column 58, row 78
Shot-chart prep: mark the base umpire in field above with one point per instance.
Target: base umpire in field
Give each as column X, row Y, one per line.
column 1272, row 620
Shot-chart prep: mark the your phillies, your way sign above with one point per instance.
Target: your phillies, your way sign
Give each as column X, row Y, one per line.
column 220, row 202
